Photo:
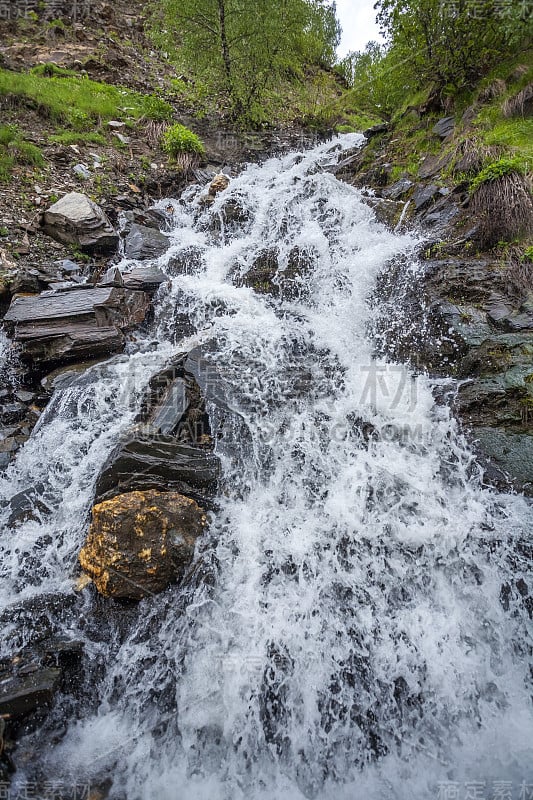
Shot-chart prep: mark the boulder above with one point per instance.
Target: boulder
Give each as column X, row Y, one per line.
column 170, row 444
column 376, row 130
column 388, row 212
column 268, row 276
column 141, row 542
column 79, row 324
column 398, row 189
column 141, row 461
column 444, row 127
column 150, row 218
column 145, row 278
column 77, row 220
column 424, row 196
column 23, row 694
column 218, row 184
column 143, row 242
column 508, row 456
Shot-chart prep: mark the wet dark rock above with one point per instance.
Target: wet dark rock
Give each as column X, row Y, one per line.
column 62, row 377
column 266, row 275
column 398, row 189
column 27, row 504
column 21, row 695
column 186, row 262
column 12, row 412
column 508, row 456
column 149, row 218
column 141, row 542
column 434, row 164
column 23, row 396
column 141, row 462
column 376, row 130
column 423, row 196
column 77, row 220
column 169, row 446
column 234, row 213
column 463, row 280
column 495, row 399
column 112, row 277
column 145, row 278
column 78, row 324
column 388, row 212
column 441, row 215
column 503, row 314
column 494, row 353
column 145, row 243
column 444, row 127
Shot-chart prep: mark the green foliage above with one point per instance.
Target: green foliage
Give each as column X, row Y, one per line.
column 450, row 44
column 80, row 102
column 241, row 50
column 51, row 70
column 179, row 139
column 14, row 149
column 183, row 146
column 528, row 254
column 496, row 170
column 379, row 83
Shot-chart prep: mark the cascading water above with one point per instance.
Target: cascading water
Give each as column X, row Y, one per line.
column 352, row 640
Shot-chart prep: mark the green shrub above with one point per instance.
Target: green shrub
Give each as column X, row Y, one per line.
column 178, row 140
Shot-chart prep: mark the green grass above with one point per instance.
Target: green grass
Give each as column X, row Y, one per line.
column 74, row 137
column 79, row 102
column 497, row 169
column 14, row 149
column 516, row 134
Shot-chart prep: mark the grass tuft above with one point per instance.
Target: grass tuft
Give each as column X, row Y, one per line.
column 14, row 149
column 521, row 105
column 502, row 203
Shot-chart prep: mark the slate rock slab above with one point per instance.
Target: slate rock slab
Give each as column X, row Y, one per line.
column 78, row 324
column 76, row 219
column 143, row 242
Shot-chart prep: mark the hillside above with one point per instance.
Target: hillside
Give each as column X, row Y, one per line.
column 84, row 103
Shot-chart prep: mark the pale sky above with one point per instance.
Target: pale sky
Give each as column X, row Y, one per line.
column 358, row 20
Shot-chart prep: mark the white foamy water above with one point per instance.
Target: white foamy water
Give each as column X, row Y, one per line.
column 352, row 641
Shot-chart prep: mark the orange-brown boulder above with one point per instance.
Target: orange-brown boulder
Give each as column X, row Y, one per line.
column 141, row 542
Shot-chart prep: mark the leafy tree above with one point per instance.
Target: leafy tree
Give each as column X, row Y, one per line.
column 379, row 79
column 242, row 47
column 452, row 42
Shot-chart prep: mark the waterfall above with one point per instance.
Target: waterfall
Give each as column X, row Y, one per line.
column 351, row 640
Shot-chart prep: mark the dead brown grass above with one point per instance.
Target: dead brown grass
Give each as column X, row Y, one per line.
column 493, row 90
column 153, row 132
column 521, row 105
column 503, row 209
column 471, row 155
column 519, row 274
